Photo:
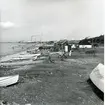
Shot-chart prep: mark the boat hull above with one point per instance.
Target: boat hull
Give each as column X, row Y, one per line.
column 19, row 56
column 9, row 80
column 97, row 77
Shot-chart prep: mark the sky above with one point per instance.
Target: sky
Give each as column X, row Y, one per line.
column 50, row 19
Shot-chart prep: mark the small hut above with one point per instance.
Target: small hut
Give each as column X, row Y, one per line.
column 85, row 44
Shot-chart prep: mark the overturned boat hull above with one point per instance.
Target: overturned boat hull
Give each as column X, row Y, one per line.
column 8, row 80
column 97, row 76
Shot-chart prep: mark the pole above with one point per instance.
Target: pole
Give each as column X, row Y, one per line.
column 41, row 37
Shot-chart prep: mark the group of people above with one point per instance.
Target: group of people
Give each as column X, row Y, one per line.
column 67, row 52
column 68, row 49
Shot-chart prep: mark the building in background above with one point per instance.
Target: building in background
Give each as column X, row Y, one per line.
column 85, row 44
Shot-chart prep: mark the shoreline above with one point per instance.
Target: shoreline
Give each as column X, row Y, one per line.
column 20, row 47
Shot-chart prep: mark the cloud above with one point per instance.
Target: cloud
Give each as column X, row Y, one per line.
column 6, row 25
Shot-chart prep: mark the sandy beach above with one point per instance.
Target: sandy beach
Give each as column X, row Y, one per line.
column 59, row 83
column 51, row 52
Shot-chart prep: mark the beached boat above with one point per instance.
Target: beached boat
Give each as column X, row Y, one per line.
column 20, row 56
column 97, row 76
column 25, row 56
column 8, row 80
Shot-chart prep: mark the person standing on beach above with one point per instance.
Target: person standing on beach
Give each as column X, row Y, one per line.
column 49, row 57
column 69, row 50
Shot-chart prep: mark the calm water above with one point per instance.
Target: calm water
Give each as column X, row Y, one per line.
column 11, row 48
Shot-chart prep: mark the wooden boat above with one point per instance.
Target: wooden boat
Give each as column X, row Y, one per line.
column 25, row 57
column 8, row 80
column 17, row 57
column 97, row 76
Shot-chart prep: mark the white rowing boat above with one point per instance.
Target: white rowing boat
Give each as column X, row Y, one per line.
column 25, row 57
column 8, row 80
column 17, row 57
column 97, row 76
